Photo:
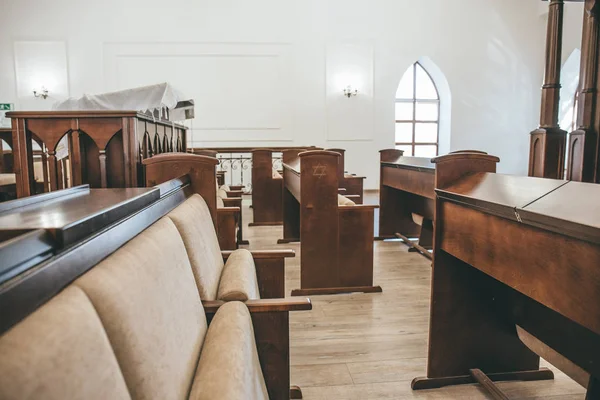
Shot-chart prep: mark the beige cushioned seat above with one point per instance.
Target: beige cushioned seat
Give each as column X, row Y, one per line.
column 238, row 280
column 229, row 368
column 148, row 302
column 344, row 201
column 194, row 223
column 276, row 174
column 220, row 203
column 192, row 219
column 226, row 188
column 222, row 194
column 60, row 352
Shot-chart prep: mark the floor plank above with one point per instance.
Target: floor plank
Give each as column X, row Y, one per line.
column 370, row 346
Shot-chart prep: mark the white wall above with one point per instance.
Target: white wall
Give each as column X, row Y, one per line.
column 270, row 72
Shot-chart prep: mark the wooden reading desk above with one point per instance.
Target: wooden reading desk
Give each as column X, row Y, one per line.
column 515, row 277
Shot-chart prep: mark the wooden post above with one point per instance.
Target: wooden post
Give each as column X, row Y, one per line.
column 102, row 157
column 75, row 157
column 547, row 145
column 583, row 162
column 53, row 170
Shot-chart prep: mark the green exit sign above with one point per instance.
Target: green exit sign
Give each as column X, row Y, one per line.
column 4, row 108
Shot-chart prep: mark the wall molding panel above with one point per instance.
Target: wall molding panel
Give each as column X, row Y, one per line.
column 241, row 90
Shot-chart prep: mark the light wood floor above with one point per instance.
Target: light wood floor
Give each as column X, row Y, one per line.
column 370, row 346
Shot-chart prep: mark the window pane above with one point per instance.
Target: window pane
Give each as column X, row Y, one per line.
column 404, row 111
column 425, row 151
column 427, row 112
column 425, row 87
column 426, row 133
column 407, row 149
column 404, row 132
column 405, row 88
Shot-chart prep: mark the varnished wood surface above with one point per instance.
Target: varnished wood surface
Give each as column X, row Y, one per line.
column 417, row 163
column 69, row 218
column 486, row 189
column 551, row 213
column 370, row 346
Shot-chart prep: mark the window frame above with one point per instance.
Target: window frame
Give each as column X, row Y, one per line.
column 414, row 121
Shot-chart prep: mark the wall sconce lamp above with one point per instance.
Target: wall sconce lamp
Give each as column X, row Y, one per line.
column 43, row 93
column 349, row 92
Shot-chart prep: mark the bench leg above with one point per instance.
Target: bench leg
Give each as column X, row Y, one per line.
column 272, row 333
column 270, row 274
column 295, row 392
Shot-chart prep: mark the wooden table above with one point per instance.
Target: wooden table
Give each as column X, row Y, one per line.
column 515, row 277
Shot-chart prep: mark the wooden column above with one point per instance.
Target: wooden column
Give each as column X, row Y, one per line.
column 75, row 157
column 102, row 158
column 582, row 165
column 53, row 168
column 547, row 146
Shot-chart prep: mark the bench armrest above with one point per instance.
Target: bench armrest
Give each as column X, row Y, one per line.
column 270, row 271
column 264, row 305
column 359, row 207
column 232, row 202
column 228, row 210
column 265, row 254
column 236, row 187
column 235, row 193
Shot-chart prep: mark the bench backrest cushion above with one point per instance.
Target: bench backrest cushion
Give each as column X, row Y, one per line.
column 229, row 367
column 146, row 297
column 60, row 351
column 222, row 194
column 192, row 219
column 344, row 201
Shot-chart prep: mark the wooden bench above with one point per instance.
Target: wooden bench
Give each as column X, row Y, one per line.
column 267, row 189
column 515, row 277
column 227, row 211
column 121, row 267
column 336, row 234
column 406, row 198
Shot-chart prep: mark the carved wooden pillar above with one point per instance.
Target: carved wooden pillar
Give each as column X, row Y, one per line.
column 583, row 142
column 102, row 157
column 547, row 146
column 53, row 169
column 75, row 157
column 45, row 168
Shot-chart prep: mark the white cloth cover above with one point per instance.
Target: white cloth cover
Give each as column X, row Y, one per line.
column 147, row 98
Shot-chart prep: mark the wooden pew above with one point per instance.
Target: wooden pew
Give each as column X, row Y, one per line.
column 337, row 240
column 164, row 167
column 515, row 277
column 406, row 194
column 40, row 258
column 267, row 189
column 406, row 198
column 352, row 184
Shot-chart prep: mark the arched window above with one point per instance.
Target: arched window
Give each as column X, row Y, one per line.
column 417, row 113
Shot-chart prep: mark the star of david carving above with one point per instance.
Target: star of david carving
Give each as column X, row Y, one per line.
column 319, row 170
